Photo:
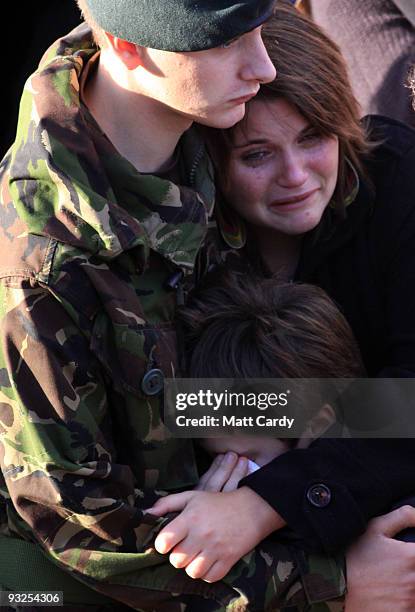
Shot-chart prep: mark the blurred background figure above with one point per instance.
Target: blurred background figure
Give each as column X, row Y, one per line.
column 377, row 37
column 39, row 24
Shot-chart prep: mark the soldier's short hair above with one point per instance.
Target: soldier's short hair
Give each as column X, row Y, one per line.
column 98, row 33
column 411, row 83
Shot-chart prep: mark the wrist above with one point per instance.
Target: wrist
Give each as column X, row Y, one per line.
column 265, row 517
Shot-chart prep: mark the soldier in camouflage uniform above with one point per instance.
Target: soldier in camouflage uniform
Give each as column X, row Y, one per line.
column 94, row 254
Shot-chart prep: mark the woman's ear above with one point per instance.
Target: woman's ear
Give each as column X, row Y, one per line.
column 317, row 426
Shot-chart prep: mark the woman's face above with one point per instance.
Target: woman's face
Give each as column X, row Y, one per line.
column 282, row 172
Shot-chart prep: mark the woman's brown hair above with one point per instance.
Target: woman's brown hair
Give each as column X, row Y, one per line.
column 312, row 76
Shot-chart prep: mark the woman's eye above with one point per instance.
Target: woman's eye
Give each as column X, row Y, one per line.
column 310, row 137
column 255, row 156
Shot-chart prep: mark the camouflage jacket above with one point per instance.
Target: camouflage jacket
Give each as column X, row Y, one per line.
column 90, row 250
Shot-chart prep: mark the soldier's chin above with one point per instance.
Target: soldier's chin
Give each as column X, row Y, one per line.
column 225, row 119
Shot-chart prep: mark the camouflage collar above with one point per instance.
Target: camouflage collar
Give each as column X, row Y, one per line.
column 70, row 183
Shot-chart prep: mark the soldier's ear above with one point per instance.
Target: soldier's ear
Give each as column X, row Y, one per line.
column 127, row 52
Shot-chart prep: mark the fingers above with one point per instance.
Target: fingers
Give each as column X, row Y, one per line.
column 171, row 503
column 392, row 523
column 219, row 473
column 216, row 572
column 183, row 554
column 172, row 534
column 207, row 475
column 199, row 566
column 240, row 471
column 207, row 568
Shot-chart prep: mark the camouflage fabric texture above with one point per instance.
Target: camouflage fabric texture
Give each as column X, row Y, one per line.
column 87, row 245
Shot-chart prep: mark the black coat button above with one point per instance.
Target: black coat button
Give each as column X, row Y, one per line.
column 152, row 382
column 319, row 495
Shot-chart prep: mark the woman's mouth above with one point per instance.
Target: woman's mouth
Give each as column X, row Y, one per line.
column 294, row 201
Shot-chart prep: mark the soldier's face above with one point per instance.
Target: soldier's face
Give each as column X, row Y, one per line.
column 211, row 86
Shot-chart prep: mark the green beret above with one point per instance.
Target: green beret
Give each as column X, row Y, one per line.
column 179, row 25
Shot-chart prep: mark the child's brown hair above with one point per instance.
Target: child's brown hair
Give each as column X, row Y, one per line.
column 242, row 326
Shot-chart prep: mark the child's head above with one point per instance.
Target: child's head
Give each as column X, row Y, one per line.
column 239, row 325
column 242, row 326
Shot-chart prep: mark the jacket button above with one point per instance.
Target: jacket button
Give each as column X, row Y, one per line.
column 152, row 382
column 319, row 495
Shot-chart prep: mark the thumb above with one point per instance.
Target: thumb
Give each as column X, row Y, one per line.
column 392, row 523
column 170, row 503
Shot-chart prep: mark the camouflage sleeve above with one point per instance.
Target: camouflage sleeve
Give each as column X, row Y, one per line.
column 69, row 494
column 57, row 455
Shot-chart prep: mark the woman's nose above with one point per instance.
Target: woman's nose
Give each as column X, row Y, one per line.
column 292, row 171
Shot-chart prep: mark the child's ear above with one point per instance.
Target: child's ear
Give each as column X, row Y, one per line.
column 317, row 426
